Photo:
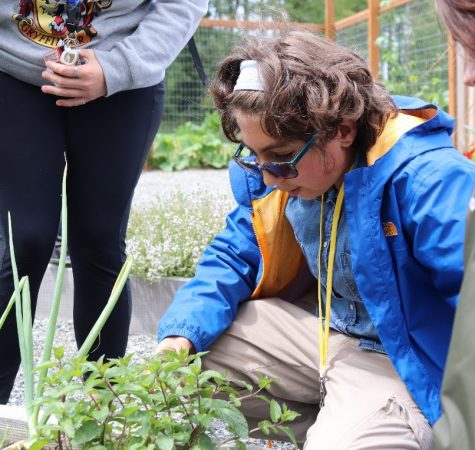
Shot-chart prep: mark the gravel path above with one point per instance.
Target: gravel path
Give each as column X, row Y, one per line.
column 151, row 184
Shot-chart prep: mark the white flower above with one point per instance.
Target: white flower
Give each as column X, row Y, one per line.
column 168, row 236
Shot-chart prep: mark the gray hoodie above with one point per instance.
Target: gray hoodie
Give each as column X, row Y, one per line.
column 134, row 40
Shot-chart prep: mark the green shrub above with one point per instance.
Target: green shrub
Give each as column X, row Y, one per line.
column 191, row 146
column 168, row 236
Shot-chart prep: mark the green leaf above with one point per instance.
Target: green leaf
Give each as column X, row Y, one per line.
column 235, row 420
column 208, row 375
column 130, row 388
column 240, row 445
column 101, row 414
column 288, row 431
column 289, row 416
column 186, row 390
column 58, row 352
column 275, row 411
column 165, row 442
column 39, row 444
column 205, row 443
column 265, row 382
column 68, row 427
column 87, row 432
column 264, row 426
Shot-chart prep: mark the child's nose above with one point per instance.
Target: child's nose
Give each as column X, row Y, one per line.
column 269, row 179
column 469, row 74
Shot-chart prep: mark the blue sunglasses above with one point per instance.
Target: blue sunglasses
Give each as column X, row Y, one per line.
column 285, row 169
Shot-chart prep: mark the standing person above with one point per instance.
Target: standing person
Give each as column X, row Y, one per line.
column 99, row 100
column 456, row 428
column 351, row 207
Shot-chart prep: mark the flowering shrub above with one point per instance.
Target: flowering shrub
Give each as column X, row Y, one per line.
column 168, row 236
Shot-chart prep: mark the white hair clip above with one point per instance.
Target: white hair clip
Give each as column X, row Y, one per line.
column 249, row 78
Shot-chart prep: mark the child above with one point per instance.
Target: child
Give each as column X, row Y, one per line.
column 456, row 429
column 351, row 207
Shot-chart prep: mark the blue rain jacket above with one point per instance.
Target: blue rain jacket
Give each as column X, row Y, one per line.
column 406, row 214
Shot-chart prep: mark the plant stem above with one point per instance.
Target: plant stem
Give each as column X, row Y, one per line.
column 165, row 399
column 185, row 411
column 60, row 441
column 11, row 303
column 114, row 297
column 195, row 436
column 25, row 358
column 252, row 394
column 199, row 394
column 58, row 287
column 109, row 385
column 231, row 439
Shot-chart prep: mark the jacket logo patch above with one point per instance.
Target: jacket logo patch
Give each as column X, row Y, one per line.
column 390, row 229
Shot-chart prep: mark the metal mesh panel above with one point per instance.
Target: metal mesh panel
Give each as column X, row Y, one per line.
column 355, row 38
column 413, row 47
column 186, row 98
column 413, row 51
column 413, row 60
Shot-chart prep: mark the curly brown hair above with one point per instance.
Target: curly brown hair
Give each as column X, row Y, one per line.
column 459, row 16
column 310, row 85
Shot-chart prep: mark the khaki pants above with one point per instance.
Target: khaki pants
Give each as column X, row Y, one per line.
column 367, row 405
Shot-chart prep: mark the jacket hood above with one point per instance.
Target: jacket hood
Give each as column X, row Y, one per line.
column 416, row 119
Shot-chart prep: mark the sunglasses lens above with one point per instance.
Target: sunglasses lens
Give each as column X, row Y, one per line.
column 281, row 170
column 249, row 166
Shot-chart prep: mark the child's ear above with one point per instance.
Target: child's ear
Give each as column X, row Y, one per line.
column 347, row 133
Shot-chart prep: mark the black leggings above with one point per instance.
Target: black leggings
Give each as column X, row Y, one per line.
column 106, row 143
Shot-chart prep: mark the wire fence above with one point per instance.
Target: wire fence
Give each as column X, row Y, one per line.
column 413, row 51
column 413, row 59
column 187, row 98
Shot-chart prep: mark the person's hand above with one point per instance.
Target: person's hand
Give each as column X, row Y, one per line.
column 78, row 84
column 175, row 343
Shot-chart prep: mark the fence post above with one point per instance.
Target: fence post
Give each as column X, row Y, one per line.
column 373, row 33
column 330, row 19
column 452, row 81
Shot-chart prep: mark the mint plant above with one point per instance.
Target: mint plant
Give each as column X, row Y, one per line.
column 165, row 402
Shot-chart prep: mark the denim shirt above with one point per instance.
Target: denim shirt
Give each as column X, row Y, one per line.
column 348, row 312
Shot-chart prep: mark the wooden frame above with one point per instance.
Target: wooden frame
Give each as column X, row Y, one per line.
column 330, row 31
column 373, row 33
column 251, row 25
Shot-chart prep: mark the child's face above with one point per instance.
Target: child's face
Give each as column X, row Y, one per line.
column 318, row 170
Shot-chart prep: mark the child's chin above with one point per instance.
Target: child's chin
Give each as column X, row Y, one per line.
column 305, row 194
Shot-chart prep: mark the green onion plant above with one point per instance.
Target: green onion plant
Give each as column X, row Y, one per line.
column 22, row 300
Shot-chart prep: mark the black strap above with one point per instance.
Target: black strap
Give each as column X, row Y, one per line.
column 197, row 61
column 73, row 9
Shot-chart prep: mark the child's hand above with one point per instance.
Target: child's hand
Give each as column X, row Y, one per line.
column 175, row 343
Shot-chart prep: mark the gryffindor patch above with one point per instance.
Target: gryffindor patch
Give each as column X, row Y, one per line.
column 44, row 21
